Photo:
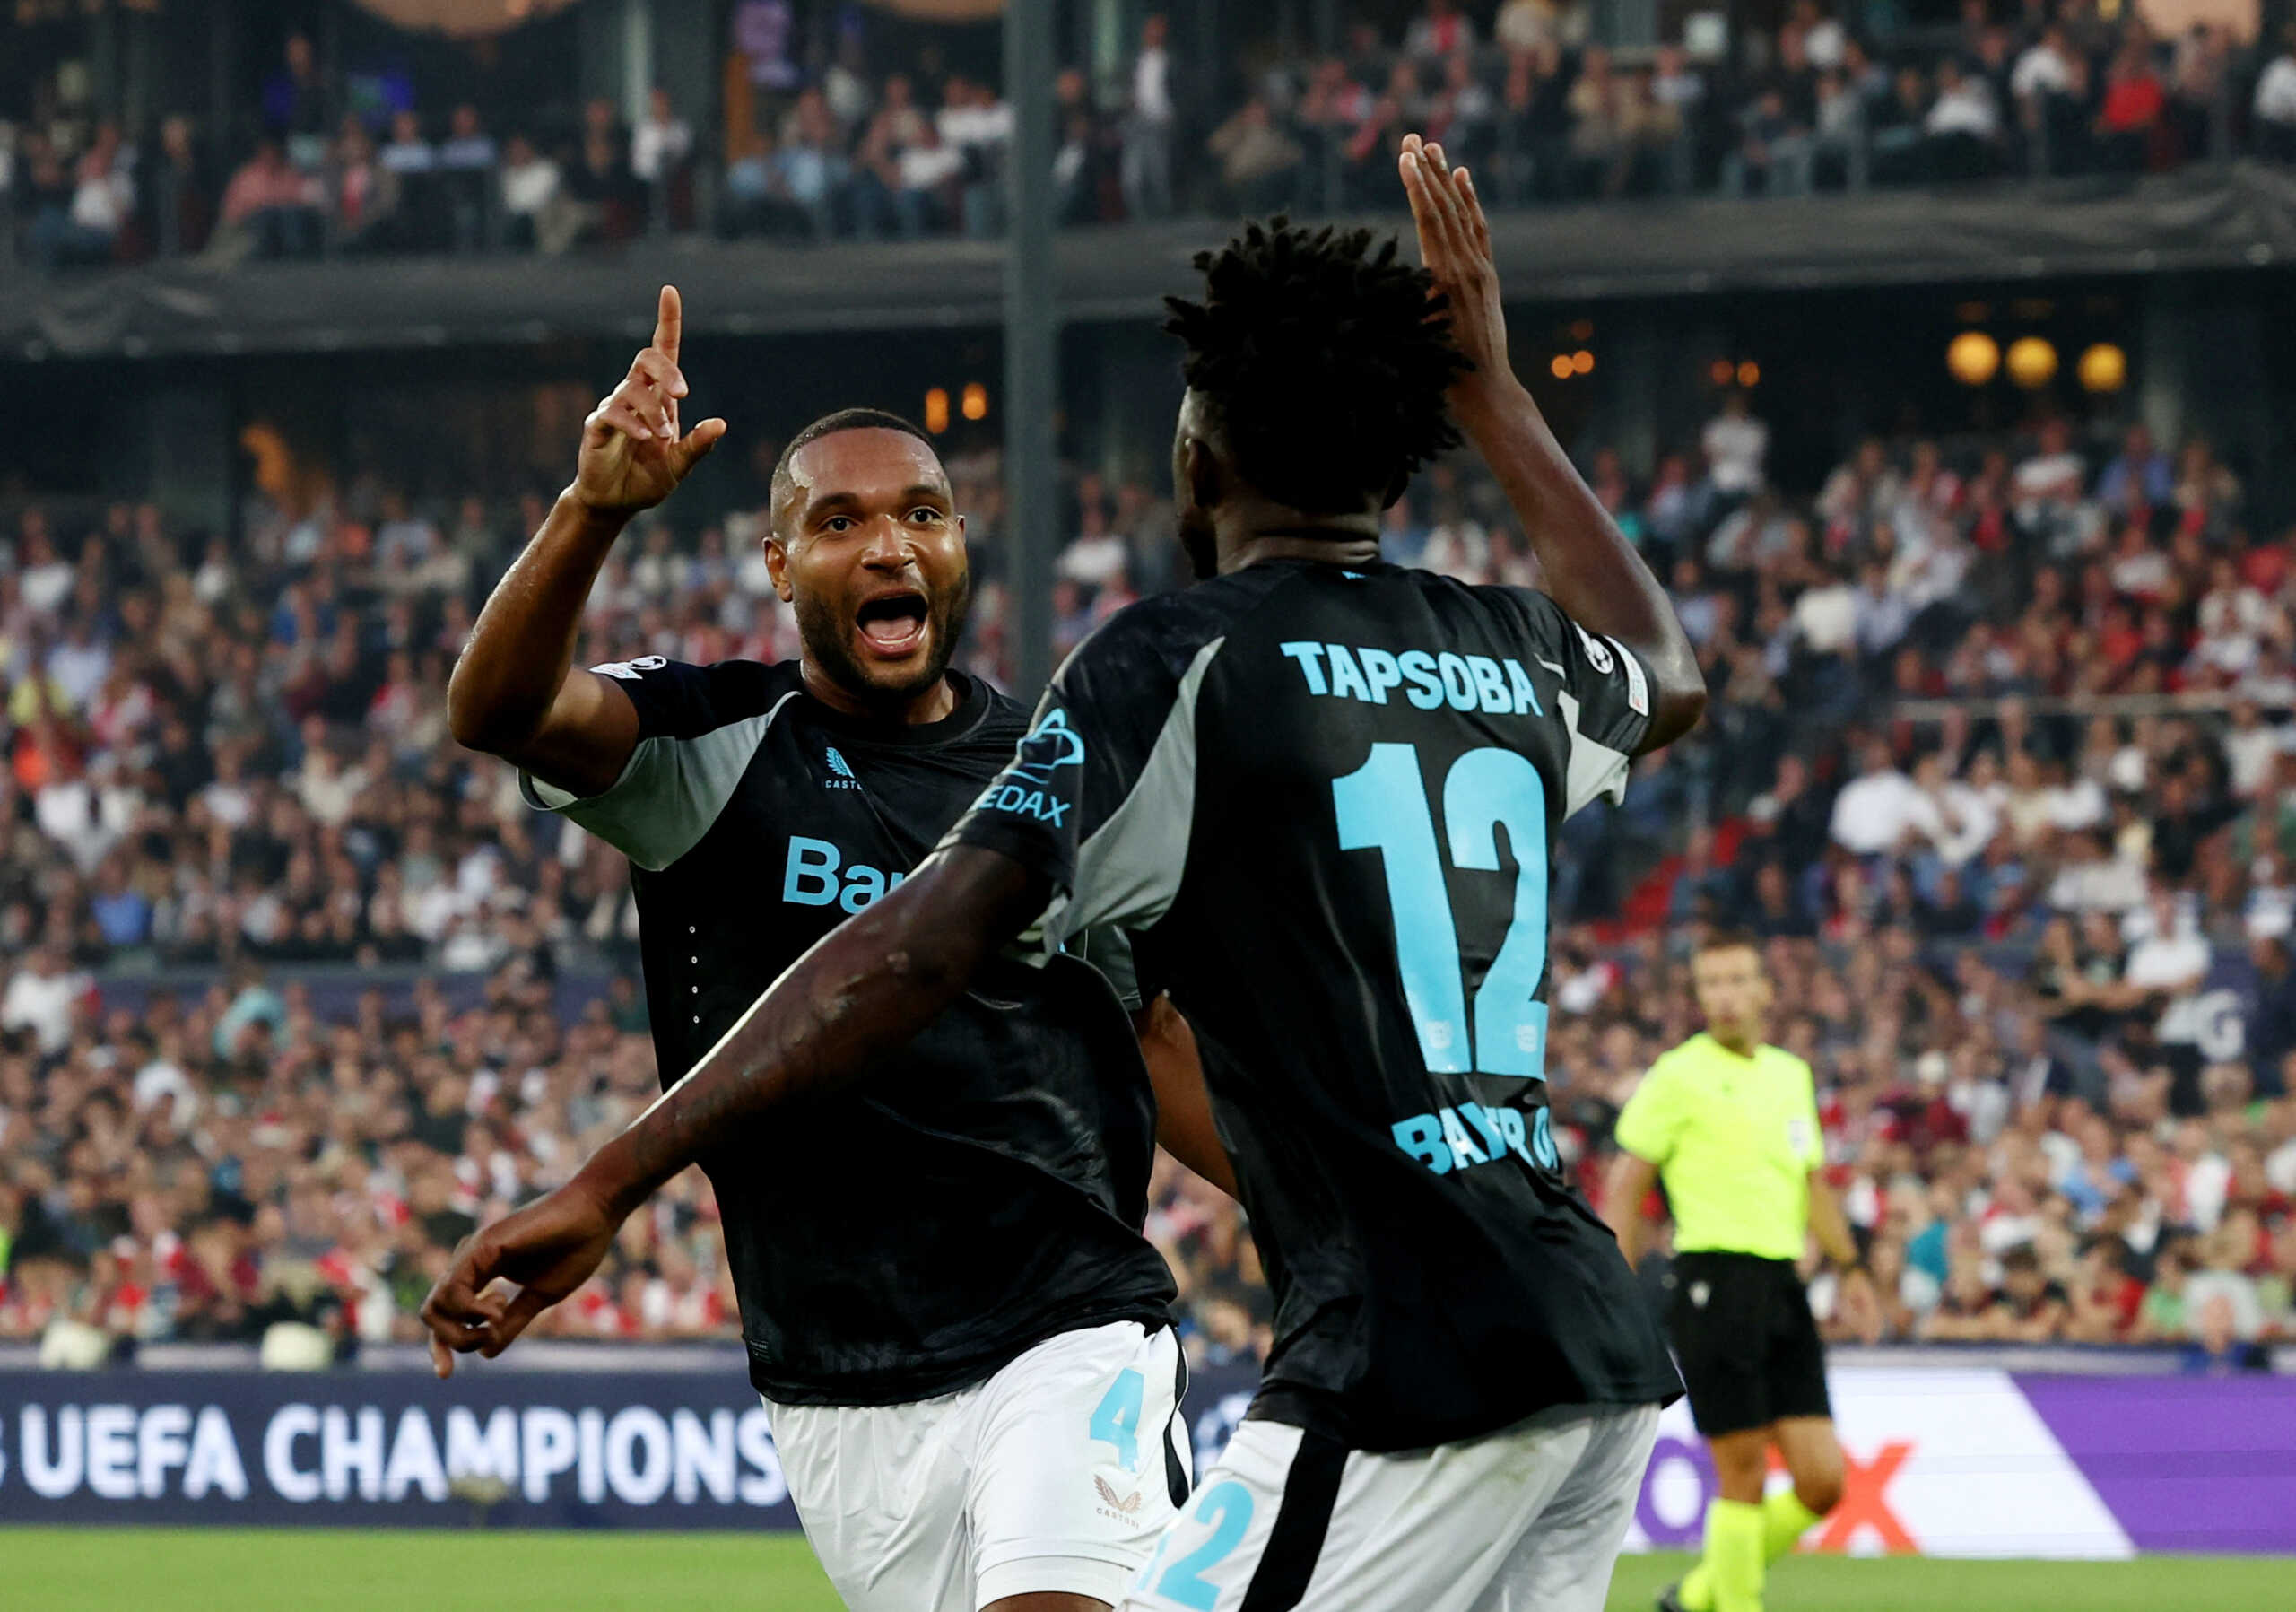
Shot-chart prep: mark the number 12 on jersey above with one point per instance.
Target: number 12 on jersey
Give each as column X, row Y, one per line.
column 1382, row 806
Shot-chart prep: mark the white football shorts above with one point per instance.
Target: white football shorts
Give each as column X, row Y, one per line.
column 1057, row 1474
column 1526, row 1519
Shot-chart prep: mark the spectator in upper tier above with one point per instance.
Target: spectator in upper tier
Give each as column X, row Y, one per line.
column 1607, row 121
column 2135, row 105
column 1259, row 164
column 1086, row 166
column 2197, row 91
column 179, row 194
column 977, row 126
column 897, row 125
column 599, row 181
column 1462, row 116
column 1677, row 88
column 659, row 149
column 1442, row 31
column 1151, row 117
column 297, row 109
column 273, row 207
column 367, row 193
column 1963, row 125
column 1897, row 139
column 1774, row 149
column 1823, row 38
column 809, row 168
column 1837, row 140
column 2274, row 105
column 102, row 200
column 1528, row 24
column 407, row 152
column 467, row 158
column 927, row 172
column 531, row 199
column 2043, row 69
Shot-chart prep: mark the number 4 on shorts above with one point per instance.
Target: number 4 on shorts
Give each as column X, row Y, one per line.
column 1117, row 1420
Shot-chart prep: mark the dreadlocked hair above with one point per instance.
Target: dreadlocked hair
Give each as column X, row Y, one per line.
column 1325, row 360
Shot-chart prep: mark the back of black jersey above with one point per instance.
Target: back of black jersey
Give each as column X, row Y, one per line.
column 1323, row 800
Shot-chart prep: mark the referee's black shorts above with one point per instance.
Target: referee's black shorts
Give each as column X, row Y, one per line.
column 1746, row 1342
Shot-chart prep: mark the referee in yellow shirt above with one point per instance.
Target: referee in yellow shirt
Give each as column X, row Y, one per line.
column 1730, row 1126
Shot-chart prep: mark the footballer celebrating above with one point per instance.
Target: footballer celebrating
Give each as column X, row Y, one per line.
column 1318, row 791
column 949, row 1308
column 1730, row 1126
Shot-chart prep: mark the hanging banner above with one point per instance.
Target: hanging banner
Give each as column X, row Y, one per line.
column 1942, row 1462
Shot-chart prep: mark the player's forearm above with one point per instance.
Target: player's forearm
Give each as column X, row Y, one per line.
column 1627, row 1230
column 1591, row 570
column 523, row 648
column 1623, row 1199
column 863, row 992
column 1184, row 1123
column 1830, row 1225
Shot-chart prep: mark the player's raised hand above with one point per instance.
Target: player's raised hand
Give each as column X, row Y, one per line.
column 547, row 1249
column 1455, row 244
column 633, row 454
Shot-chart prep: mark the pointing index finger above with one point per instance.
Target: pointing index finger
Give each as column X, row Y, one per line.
column 669, row 323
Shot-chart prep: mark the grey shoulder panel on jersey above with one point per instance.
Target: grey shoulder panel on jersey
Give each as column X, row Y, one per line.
column 669, row 794
column 1593, row 769
column 1128, row 871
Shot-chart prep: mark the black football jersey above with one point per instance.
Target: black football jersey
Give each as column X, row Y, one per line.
column 1322, row 801
column 981, row 1190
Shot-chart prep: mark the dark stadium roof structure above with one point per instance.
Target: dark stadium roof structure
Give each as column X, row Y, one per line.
column 2241, row 214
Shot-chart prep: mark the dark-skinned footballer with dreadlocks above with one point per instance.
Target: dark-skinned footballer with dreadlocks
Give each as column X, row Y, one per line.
column 1316, row 793
column 960, row 1336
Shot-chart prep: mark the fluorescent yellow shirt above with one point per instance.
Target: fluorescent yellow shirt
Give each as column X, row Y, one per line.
column 1735, row 1140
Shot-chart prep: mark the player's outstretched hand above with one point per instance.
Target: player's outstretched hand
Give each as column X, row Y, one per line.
column 547, row 1250
column 1455, row 244
column 632, row 456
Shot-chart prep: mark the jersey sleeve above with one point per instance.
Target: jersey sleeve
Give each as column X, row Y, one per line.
column 1605, row 699
column 1100, row 797
column 698, row 728
column 1651, row 1121
column 1109, row 950
column 1814, row 1138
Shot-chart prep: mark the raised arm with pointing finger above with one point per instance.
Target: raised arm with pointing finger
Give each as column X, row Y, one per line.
column 515, row 693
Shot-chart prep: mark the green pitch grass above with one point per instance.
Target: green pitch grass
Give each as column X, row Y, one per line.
column 233, row 1570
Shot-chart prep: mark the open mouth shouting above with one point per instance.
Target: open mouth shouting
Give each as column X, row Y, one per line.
column 893, row 625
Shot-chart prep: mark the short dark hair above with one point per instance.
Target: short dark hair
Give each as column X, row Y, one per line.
column 1726, row 939
column 829, row 425
column 1325, row 360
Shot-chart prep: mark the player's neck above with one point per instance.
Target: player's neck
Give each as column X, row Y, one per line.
column 932, row 703
column 1742, row 1043
column 1250, row 528
column 1336, row 541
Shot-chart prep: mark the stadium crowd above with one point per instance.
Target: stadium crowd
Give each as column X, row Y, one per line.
column 854, row 145
column 2037, row 948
